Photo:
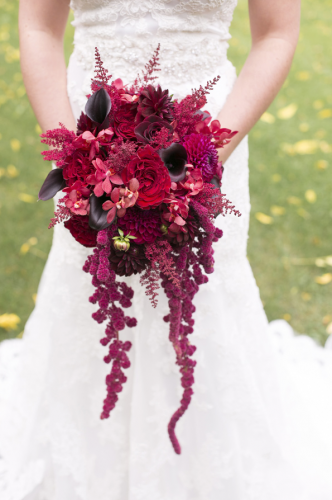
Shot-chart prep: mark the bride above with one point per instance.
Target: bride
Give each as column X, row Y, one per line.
column 259, row 424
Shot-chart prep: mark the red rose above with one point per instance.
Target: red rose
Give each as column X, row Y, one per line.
column 152, row 175
column 124, row 123
column 79, row 227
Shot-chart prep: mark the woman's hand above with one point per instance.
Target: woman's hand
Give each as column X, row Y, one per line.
column 42, row 25
column 274, row 29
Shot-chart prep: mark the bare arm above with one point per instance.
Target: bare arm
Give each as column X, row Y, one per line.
column 41, row 26
column 274, row 30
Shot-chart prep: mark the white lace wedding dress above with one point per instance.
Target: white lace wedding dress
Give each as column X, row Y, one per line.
column 259, row 423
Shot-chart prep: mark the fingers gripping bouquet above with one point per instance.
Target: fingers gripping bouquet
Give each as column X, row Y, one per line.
column 141, row 184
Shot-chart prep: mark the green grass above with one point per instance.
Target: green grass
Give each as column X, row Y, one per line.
column 283, row 253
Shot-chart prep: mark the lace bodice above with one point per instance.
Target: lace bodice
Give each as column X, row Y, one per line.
column 193, row 35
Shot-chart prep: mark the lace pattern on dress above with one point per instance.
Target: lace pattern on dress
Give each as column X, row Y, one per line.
column 193, row 36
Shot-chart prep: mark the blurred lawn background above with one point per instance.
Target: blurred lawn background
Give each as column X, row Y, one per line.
column 290, row 181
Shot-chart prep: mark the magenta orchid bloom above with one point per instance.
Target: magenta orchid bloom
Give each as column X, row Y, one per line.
column 80, row 188
column 126, row 98
column 104, row 178
column 76, row 204
column 122, row 198
column 88, row 141
column 129, row 98
column 220, row 136
column 177, row 210
column 194, row 181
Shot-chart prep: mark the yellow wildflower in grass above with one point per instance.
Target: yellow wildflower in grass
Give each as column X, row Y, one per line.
column 38, row 129
column 294, row 200
column 287, row 317
column 263, row 218
column 287, row 148
column 287, row 112
column 28, row 244
column 310, row 196
column 318, row 104
column 303, row 75
column 304, row 127
column 327, row 319
column 20, row 92
column 12, row 171
column 303, row 213
column 306, row 147
column 9, row 321
column 321, row 164
column 320, row 134
column 27, row 198
column 276, row 210
column 325, row 113
column 11, row 54
column 325, row 147
column 305, row 296
column 15, row 144
column 267, row 118
column 329, row 328
column 24, row 248
column 324, row 279
column 17, row 77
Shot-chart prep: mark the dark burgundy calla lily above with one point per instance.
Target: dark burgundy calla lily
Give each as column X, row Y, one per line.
column 98, row 216
column 216, row 182
column 175, row 159
column 146, row 130
column 53, row 183
column 98, row 106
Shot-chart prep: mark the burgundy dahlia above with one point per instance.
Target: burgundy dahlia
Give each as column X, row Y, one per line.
column 127, row 263
column 143, row 224
column 84, row 123
column 79, row 227
column 155, row 101
column 202, row 154
column 178, row 235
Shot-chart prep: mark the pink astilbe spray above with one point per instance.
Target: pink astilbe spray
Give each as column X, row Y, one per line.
column 108, row 292
column 61, row 213
column 185, row 111
column 61, row 140
column 159, row 254
column 215, row 202
column 147, row 74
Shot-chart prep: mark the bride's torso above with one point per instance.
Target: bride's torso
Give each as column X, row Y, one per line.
column 192, row 34
column 193, row 37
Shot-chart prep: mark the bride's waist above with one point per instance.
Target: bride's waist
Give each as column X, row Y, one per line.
column 184, row 56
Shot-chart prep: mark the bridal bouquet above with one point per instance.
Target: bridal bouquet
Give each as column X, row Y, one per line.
column 141, row 184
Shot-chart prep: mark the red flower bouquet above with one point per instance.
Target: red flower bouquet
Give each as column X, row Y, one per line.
column 141, row 184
